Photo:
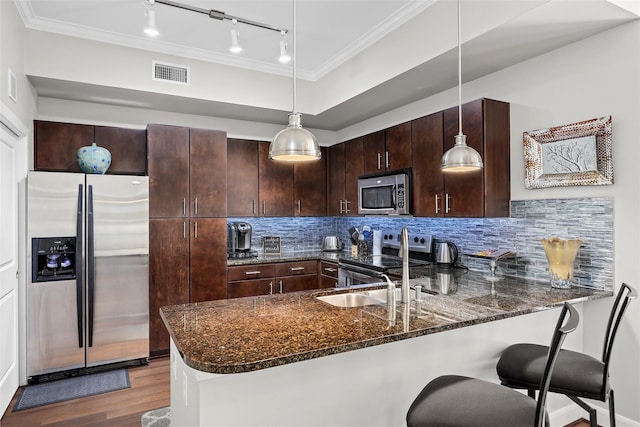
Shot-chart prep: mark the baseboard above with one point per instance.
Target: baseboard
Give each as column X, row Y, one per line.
column 570, row 413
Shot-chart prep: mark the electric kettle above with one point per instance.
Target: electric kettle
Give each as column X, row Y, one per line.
column 446, row 253
column 332, row 244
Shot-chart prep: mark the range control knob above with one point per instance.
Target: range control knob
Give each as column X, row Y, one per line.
column 416, row 239
column 422, row 241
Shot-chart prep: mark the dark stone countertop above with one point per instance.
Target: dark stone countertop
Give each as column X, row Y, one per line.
column 287, row 256
column 248, row 334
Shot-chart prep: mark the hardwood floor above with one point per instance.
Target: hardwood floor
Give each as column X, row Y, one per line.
column 123, row 408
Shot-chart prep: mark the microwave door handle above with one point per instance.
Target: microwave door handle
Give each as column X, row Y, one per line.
column 394, row 193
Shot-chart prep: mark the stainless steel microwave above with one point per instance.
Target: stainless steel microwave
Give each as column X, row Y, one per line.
column 384, row 195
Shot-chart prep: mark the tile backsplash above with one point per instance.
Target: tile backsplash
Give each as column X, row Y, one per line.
column 589, row 219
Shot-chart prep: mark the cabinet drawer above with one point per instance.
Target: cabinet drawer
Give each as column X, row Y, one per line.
column 296, row 283
column 250, row 288
column 254, row 271
column 328, row 282
column 296, row 268
column 328, row 269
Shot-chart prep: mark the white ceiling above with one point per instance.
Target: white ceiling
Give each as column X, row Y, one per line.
column 330, row 33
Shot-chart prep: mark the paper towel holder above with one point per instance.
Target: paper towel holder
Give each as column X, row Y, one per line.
column 377, row 242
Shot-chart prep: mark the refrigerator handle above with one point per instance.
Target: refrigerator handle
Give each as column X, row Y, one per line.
column 79, row 272
column 90, row 267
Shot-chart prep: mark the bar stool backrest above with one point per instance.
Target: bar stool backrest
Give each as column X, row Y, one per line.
column 625, row 295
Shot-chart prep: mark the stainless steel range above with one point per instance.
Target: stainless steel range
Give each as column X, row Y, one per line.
column 368, row 269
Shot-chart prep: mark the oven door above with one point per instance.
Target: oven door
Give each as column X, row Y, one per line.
column 349, row 275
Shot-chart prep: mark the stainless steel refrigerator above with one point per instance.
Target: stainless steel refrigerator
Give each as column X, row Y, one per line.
column 87, row 298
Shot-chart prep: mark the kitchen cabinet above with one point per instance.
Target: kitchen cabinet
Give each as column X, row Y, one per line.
column 168, row 275
column 188, row 209
column 328, row 274
column 275, row 184
column 345, row 165
column 273, row 278
column 310, row 187
column 242, row 177
column 483, row 193
column 388, row 149
column 56, row 145
column 187, row 172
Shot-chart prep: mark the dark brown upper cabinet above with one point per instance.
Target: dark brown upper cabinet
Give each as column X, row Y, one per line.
column 310, row 187
column 345, row 165
column 388, row 149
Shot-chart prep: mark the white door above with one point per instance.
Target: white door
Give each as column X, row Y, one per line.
column 8, row 269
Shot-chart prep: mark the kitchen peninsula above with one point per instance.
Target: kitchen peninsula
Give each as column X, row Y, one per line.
column 295, row 360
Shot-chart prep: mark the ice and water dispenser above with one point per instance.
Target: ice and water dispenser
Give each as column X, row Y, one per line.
column 53, row 258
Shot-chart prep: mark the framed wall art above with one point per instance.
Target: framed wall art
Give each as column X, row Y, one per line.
column 575, row 154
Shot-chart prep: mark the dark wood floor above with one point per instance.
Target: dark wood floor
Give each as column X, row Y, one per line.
column 123, row 408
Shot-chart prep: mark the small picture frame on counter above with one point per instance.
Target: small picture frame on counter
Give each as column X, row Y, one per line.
column 272, row 245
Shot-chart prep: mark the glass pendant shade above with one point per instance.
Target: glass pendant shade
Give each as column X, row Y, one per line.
column 294, row 143
column 461, row 158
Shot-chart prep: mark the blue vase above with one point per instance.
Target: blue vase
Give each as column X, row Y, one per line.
column 94, row 159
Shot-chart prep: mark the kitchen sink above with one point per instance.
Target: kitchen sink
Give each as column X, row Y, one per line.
column 359, row 299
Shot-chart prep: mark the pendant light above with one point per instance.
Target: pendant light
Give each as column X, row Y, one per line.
column 294, row 144
column 460, row 158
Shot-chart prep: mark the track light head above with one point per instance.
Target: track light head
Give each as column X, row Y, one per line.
column 235, row 46
column 151, row 30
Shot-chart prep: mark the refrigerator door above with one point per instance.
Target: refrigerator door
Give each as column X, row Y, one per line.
column 117, row 268
column 54, row 334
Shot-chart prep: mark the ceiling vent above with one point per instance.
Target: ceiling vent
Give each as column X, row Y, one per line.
column 171, row 73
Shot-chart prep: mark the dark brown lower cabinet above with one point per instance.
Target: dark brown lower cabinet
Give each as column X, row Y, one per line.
column 273, row 278
column 328, row 275
column 208, row 259
column 168, row 275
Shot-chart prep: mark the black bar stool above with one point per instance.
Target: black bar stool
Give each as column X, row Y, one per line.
column 457, row 401
column 576, row 375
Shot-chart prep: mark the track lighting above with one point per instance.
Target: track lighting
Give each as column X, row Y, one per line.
column 460, row 158
column 235, row 46
column 151, row 29
column 284, row 55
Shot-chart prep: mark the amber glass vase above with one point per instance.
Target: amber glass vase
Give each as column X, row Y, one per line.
column 561, row 255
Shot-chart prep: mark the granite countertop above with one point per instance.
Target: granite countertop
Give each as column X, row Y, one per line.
column 248, row 334
column 287, row 256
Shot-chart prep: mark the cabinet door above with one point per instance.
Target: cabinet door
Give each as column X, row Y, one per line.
column 428, row 182
column 275, row 184
column 208, row 259
column 56, row 145
column 336, row 180
column 128, row 148
column 242, row 177
column 310, row 187
column 297, row 283
column 328, row 275
column 398, row 146
column 208, row 173
column 354, row 168
column 168, row 275
column 497, row 159
column 374, row 152
column 464, row 192
column 168, row 151
column 251, row 288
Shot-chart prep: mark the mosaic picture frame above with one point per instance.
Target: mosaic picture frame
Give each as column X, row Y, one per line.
column 574, row 154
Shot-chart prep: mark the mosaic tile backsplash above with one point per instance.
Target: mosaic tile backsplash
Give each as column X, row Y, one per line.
column 589, row 219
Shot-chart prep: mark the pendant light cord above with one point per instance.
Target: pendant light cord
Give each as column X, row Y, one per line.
column 295, row 48
column 459, row 72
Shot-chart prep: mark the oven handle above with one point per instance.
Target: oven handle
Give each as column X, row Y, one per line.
column 362, row 272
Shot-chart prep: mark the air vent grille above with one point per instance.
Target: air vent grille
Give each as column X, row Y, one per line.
column 171, row 73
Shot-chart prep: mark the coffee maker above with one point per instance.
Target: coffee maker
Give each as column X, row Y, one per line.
column 239, row 240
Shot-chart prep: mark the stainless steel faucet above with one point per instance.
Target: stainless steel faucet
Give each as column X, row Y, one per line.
column 404, row 253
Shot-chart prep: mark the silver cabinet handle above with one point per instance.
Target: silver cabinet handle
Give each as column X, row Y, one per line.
column 281, row 291
column 195, row 229
column 264, row 207
column 184, row 229
column 446, row 203
column 379, row 161
column 341, row 202
column 249, row 273
column 437, row 204
column 253, row 206
column 296, row 268
column 270, row 288
column 330, row 270
column 386, row 159
column 299, row 203
column 346, row 206
column 184, row 206
column 195, row 206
